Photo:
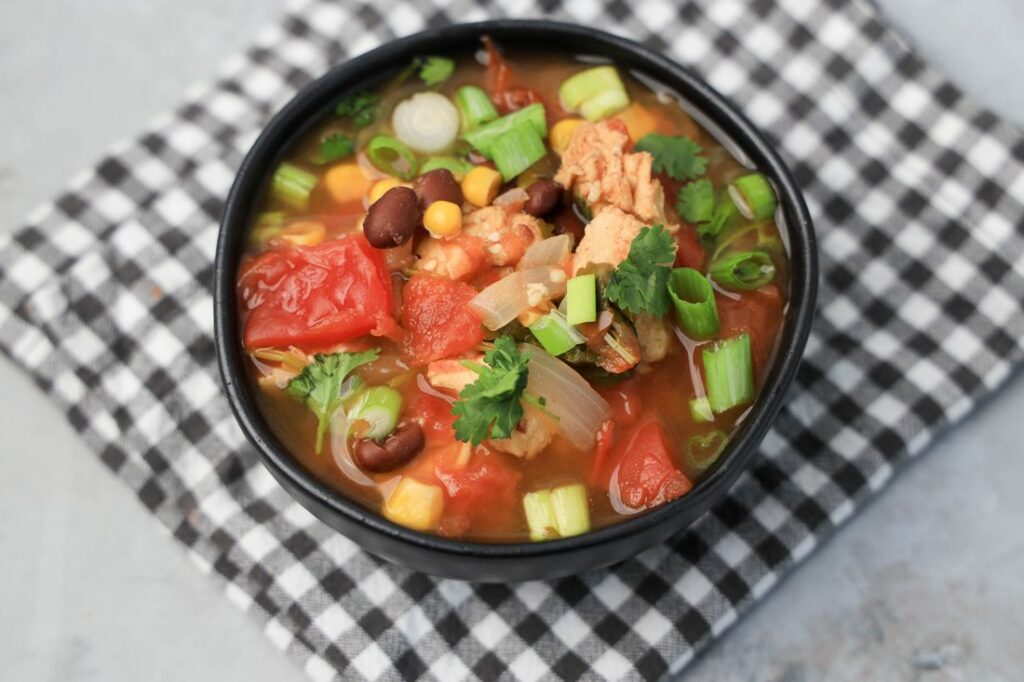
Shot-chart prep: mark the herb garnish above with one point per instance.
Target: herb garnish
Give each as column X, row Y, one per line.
column 695, row 202
column 436, row 70
column 674, row 154
column 491, row 406
column 640, row 283
column 333, row 148
column 361, row 107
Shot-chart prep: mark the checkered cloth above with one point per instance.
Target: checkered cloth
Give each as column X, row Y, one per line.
column 918, row 196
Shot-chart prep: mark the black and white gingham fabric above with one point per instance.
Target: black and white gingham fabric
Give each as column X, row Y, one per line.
column 918, row 197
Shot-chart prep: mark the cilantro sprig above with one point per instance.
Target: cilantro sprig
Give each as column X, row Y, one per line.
column 361, row 107
column 695, row 202
column 491, row 406
column 676, row 155
column 333, row 148
column 436, row 70
column 640, row 283
column 319, row 385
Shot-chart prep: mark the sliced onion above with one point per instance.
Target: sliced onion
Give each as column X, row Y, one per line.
column 581, row 411
column 340, row 452
column 550, row 251
column 500, row 303
column 512, row 199
column 428, row 122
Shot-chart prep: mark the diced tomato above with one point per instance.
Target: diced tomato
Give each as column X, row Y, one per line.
column 605, row 437
column 436, row 415
column 486, row 482
column 315, row 297
column 624, row 398
column 689, row 252
column 758, row 313
column 640, row 472
column 438, row 318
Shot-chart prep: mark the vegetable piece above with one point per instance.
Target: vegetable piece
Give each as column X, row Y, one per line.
column 415, row 505
column 437, row 318
column 540, row 515
column 555, row 334
column 483, row 137
column 703, row 451
column 268, row 225
column 346, row 182
column 378, row 408
column 379, row 188
column 515, row 151
column 503, row 301
column 475, row 107
column 753, row 196
column 562, row 132
column 304, row 233
column 438, row 185
column 724, row 215
column 428, row 122
column 640, row 283
column 581, row 299
column 543, row 196
column 596, row 93
column 700, row 410
column 639, row 120
column 580, row 410
column 694, row 302
column 392, row 157
column 406, row 442
column 352, row 296
column 491, row 406
column 392, row 219
column 676, row 155
column 729, row 373
column 550, row 251
column 320, row 385
column 443, row 219
column 458, row 167
column 695, row 202
column 360, row 107
column 572, row 510
column 640, row 474
column 744, row 270
column 334, row 147
column 292, row 185
column 481, row 185
column 484, row 483
column 436, row 70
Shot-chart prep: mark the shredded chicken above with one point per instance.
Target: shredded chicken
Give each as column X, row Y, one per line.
column 654, row 336
column 599, row 171
column 450, row 375
column 607, row 238
column 490, row 236
column 532, row 434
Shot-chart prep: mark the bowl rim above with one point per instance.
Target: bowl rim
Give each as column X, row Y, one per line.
column 252, row 175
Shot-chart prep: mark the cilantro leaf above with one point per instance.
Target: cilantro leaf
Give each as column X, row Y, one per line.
column 319, row 384
column 491, row 406
column 640, row 283
column 333, row 148
column 361, row 107
column 436, row 70
column 722, row 217
column 674, row 154
column 695, row 202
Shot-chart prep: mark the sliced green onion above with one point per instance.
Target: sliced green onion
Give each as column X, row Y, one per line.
column 483, row 137
column 744, row 270
column 703, row 451
column 700, row 410
column 292, row 185
column 596, row 93
column 540, row 515
column 729, row 373
column 581, row 299
column 475, row 107
column 290, row 360
column 555, row 334
column 753, row 196
column 269, row 224
column 379, row 407
column 694, row 301
column 516, row 150
column 392, row 157
column 572, row 510
column 458, row 167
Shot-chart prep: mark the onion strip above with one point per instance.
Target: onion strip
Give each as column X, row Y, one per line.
column 580, row 409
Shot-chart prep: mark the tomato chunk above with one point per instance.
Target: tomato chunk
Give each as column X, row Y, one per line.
column 315, row 297
column 485, row 483
column 689, row 252
column 438, row 318
column 640, row 472
column 757, row 313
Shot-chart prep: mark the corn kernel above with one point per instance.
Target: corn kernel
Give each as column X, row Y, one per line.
column 481, row 185
column 415, row 505
column 443, row 219
column 345, row 182
column 562, row 132
column 382, row 186
column 304, row 233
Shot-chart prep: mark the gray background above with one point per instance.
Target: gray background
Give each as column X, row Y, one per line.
column 925, row 584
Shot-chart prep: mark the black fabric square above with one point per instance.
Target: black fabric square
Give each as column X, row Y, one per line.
column 375, row 623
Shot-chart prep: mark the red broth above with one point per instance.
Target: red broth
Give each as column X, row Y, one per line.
column 310, row 262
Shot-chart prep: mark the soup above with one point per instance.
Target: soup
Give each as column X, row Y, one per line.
column 506, row 298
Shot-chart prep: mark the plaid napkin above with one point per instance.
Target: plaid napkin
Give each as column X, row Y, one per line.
column 918, row 196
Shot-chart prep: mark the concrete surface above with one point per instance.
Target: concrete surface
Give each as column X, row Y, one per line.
column 924, row 585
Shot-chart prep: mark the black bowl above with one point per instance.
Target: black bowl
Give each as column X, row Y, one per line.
column 509, row 562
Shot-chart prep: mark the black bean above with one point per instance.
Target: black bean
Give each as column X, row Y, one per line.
column 392, row 219
column 544, row 196
column 401, row 446
column 438, row 185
